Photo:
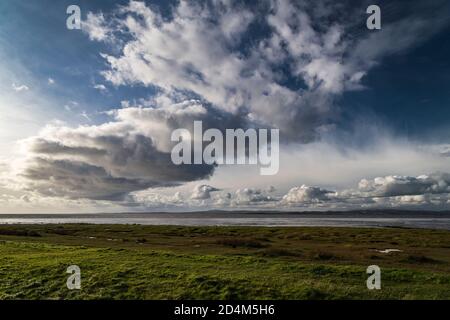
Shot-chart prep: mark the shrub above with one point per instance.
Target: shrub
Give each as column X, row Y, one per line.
column 248, row 243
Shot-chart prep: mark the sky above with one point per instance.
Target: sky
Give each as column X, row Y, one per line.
column 86, row 115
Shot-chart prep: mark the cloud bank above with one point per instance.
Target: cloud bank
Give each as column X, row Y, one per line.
column 108, row 161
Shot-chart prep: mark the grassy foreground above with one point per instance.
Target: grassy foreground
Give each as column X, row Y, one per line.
column 170, row 262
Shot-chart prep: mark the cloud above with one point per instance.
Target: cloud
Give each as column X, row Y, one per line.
column 95, row 26
column 110, row 160
column 202, row 192
column 248, row 196
column 201, row 49
column 413, row 27
column 71, row 105
column 100, row 87
column 153, row 199
column 76, row 179
column 192, row 51
column 85, row 115
column 437, row 183
column 51, row 81
column 389, row 191
column 307, row 195
column 442, row 149
column 20, row 88
column 160, row 116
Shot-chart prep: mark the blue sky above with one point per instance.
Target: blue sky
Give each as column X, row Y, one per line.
column 34, row 36
column 364, row 99
column 410, row 91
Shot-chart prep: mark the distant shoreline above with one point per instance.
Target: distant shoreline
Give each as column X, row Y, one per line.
column 394, row 213
column 368, row 219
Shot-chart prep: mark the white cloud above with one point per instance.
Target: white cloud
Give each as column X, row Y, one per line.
column 252, row 196
column 202, row 192
column 100, row 87
column 390, row 191
column 20, row 88
column 71, row 105
column 307, row 195
column 85, row 116
column 95, row 26
column 157, row 200
column 388, row 186
column 191, row 52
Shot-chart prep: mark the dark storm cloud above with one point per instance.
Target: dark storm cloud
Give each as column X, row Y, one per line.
column 108, row 161
column 53, row 148
column 72, row 179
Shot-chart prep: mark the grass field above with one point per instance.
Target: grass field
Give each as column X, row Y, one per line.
column 170, row 262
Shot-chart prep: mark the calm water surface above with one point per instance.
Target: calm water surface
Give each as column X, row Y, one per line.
column 409, row 220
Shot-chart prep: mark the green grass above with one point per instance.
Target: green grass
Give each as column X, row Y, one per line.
column 170, row 262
